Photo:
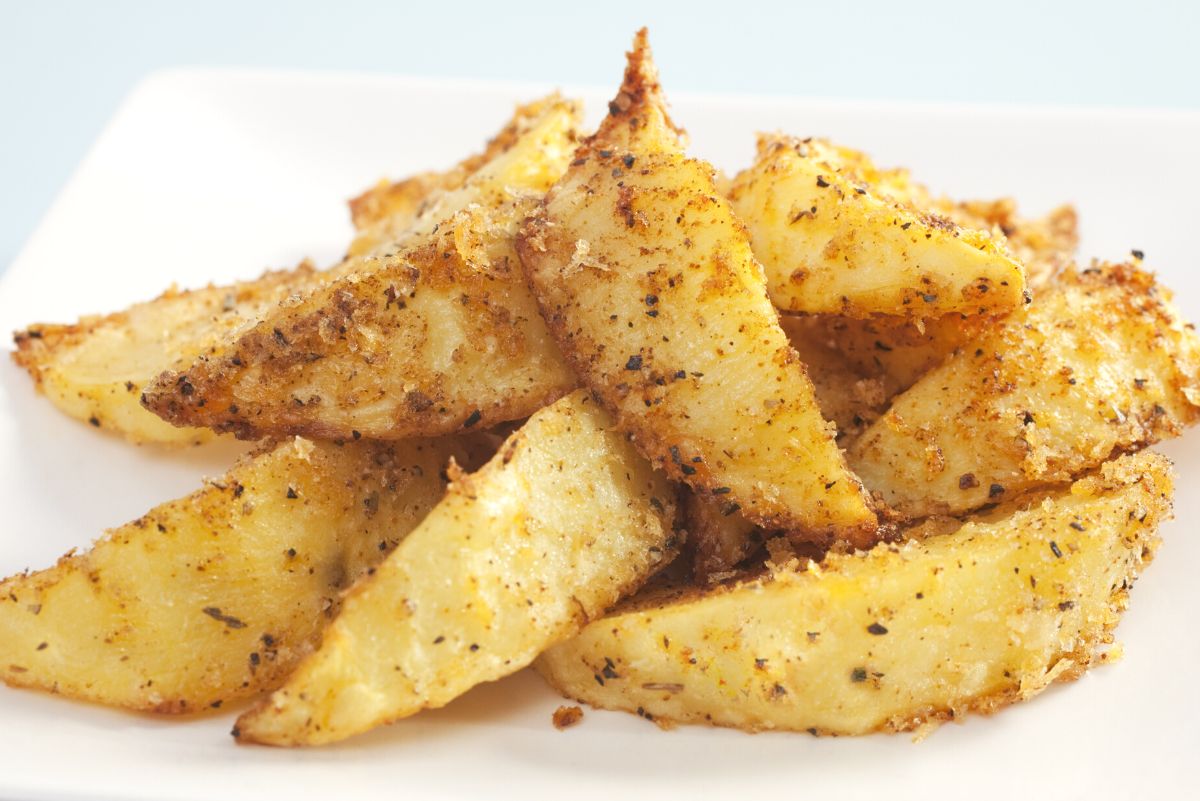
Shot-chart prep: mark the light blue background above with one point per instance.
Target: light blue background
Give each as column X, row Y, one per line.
column 64, row 66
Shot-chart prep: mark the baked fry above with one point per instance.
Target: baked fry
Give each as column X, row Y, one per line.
column 892, row 639
column 438, row 336
column 216, row 596
column 1101, row 363
column 564, row 521
column 648, row 284
column 832, row 241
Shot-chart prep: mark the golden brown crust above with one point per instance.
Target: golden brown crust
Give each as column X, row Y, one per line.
column 365, row 348
column 95, row 369
column 403, row 197
column 1045, row 245
column 385, row 211
column 434, row 333
column 566, row 716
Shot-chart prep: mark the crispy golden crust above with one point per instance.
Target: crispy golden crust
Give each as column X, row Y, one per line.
column 438, row 335
column 890, row 640
column 377, row 355
column 403, row 197
column 646, row 281
column 1100, row 364
column 566, row 716
column 95, row 370
column 896, row 351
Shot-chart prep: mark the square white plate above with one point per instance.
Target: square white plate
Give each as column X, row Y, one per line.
column 214, row 175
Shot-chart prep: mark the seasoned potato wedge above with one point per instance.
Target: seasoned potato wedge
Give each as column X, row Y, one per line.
column 832, row 241
column 1100, row 363
column 217, row 595
column 895, row 350
column 562, row 522
column 648, row 284
column 384, row 213
column 95, row 369
column 439, row 335
column 891, row 639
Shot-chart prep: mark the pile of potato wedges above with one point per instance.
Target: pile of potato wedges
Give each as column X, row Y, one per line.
column 807, row 448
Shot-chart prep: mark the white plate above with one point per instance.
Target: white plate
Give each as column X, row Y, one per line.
column 209, row 175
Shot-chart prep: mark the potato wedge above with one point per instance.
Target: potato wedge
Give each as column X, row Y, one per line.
column 1101, row 363
column 719, row 535
column 832, row 242
column 892, row 639
column 95, row 369
column 562, row 522
column 647, row 282
column 384, row 213
column 439, row 335
column 897, row 351
column 216, row 596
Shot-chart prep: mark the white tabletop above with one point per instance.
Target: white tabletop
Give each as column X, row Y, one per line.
column 64, row 66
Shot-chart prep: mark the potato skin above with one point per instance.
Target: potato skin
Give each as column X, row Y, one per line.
column 833, row 241
column 892, row 639
column 647, row 283
column 560, row 524
column 95, row 369
column 428, row 336
column 216, row 596
column 1099, row 364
